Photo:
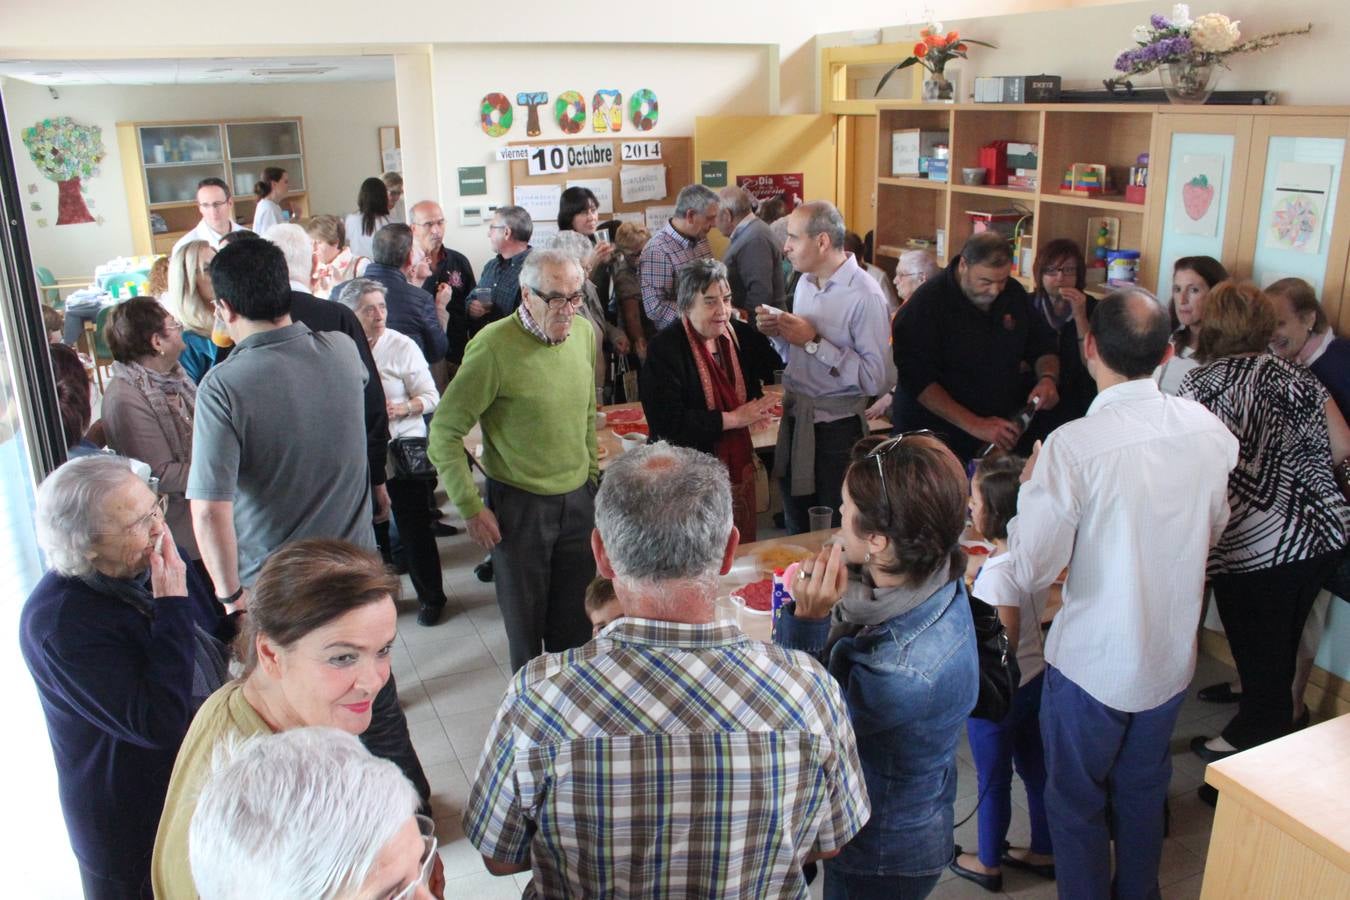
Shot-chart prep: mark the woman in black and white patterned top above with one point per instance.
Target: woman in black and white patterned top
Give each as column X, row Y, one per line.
column 1289, row 519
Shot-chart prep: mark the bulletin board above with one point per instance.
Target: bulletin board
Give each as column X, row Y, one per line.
column 677, row 155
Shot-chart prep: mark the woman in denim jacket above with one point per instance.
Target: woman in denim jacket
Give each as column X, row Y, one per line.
column 894, row 627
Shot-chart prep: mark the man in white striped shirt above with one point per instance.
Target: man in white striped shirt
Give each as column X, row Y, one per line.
column 1131, row 498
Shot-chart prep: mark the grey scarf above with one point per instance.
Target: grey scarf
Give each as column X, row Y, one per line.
column 864, row 604
column 172, row 398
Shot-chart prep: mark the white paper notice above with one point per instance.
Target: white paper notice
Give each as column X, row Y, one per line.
column 602, row 188
column 657, row 216
column 640, row 183
column 541, row 201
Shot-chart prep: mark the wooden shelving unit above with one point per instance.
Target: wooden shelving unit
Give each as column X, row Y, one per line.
column 163, row 161
column 1257, row 141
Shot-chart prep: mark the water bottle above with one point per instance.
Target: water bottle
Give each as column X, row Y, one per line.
column 781, row 594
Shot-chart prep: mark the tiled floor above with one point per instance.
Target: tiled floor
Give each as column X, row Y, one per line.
column 451, row 678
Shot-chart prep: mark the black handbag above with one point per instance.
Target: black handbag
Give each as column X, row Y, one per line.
column 408, row 456
column 999, row 675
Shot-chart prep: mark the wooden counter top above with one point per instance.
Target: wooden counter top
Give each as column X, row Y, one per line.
column 1300, row 784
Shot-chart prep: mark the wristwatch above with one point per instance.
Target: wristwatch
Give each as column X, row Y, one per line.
column 811, row 347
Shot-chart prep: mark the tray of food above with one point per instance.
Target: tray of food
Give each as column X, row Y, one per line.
column 779, row 556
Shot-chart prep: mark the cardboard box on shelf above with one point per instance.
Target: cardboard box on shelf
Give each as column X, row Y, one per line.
column 1023, row 156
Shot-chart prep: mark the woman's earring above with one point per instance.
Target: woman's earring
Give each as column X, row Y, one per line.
column 867, row 557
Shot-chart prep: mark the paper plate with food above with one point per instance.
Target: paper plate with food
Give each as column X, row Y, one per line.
column 780, row 556
column 623, row 416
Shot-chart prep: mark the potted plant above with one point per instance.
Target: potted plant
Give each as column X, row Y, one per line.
column 933, row 51
column 1189, row 51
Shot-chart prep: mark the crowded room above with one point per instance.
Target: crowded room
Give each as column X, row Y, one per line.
column 815, row 452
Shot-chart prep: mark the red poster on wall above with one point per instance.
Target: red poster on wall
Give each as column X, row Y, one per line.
column 762, row 187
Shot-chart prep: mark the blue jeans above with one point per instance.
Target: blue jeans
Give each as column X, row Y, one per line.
column 1091, row 752
column 996, row 748
column 849, row 886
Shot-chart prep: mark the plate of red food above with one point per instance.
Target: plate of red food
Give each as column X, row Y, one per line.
column 757, row 595
column 629, row 428
column 623, row 416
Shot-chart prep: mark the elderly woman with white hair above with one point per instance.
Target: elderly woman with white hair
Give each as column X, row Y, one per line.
column 125, row 642
column 409, row 395
column 308, row 813
column 702, row 385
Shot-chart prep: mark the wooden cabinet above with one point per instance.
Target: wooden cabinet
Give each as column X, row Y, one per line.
column 162, row 162
column 1281, row 828
column 1253, row 153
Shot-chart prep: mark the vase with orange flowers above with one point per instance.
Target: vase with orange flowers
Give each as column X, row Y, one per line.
column 933, row 51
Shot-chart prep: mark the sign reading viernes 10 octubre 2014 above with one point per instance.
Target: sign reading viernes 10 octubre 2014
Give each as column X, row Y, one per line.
column 555, row 158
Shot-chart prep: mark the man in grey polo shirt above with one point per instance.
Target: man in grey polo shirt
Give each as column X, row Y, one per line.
column 279, row 437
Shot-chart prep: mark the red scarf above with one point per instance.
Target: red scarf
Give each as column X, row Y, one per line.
column 724, row 391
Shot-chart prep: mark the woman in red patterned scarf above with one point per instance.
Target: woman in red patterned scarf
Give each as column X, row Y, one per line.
column 702, row 383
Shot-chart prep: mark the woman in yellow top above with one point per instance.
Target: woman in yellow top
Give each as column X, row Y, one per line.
column 315, row 647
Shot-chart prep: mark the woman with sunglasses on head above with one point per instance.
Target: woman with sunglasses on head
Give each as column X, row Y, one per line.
column 125, row 642
column 886, row 610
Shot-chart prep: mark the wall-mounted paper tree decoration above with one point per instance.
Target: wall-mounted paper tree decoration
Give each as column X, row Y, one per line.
column 532, row 100
column 66, row 152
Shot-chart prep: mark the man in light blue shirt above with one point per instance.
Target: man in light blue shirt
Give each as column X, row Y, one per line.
column 836, row 344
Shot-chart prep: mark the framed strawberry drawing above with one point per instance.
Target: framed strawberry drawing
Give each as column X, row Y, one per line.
column 1196, row 196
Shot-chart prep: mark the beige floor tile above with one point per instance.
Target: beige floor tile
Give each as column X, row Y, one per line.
column 465, row 691
column 450, row 656
column 414, row 700
column 467, row 732
column 430, row 742
column 483, row 886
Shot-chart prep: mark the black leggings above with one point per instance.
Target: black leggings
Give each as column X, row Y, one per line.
column 1263, row 614
column 412, row 501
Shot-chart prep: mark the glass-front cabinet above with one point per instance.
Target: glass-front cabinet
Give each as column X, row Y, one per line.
column 169, row 159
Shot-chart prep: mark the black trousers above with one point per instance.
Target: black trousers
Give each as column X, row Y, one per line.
column 834, row 448
column 411, row 501
column 1263, row 614
column 541, row 567
column 99, row 887
column 388, row 738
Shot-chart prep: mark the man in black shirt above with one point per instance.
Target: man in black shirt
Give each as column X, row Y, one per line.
column 964, row 345
column 447, row 267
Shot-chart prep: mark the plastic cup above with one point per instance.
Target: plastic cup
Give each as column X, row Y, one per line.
column 820, row 518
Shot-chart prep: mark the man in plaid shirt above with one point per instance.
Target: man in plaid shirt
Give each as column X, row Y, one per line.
column 671, row 756
column 681, row 240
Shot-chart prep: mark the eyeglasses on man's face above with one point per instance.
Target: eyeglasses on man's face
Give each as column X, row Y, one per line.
column 210, row 207
column 557, row 301
column 434, row 223
column 428, row 829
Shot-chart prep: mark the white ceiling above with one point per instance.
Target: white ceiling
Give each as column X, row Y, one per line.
column 206, row 70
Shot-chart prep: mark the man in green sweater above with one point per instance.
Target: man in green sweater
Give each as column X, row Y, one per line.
column 529, row 381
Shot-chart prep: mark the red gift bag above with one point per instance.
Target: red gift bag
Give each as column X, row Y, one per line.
column 994, row 158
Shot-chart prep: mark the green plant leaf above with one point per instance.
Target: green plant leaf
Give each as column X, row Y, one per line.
column 966, row 40
column 895, row 68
